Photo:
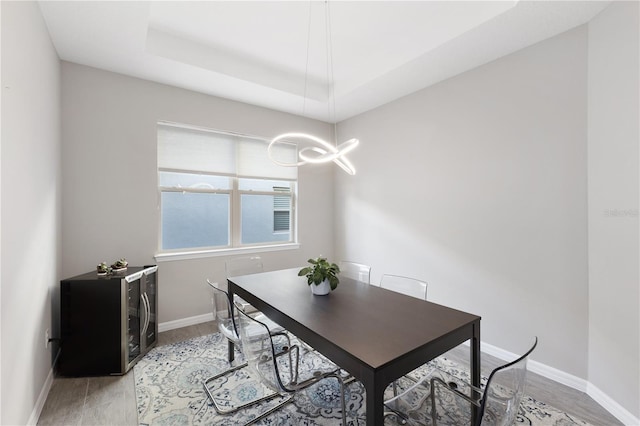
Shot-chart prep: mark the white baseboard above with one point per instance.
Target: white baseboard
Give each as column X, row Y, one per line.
column 617, row 410
column 611, row 406
column 44, row 392
column 539, row 368
column 184, row 322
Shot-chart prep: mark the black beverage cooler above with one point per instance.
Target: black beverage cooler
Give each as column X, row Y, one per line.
column 108, row 322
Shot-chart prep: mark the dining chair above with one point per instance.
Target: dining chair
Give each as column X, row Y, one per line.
column 405, row 285
column 409, row 287
column 496, row 403
column 245, row 265
column 264, row 365
column 356, row 271
column 228, row 327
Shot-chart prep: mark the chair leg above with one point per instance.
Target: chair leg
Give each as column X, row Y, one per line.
column 394, row 411
column 215, row 377
column 270, row 411
column 343, row 403
column 401, row 417
column 221, row 410
column 451, row 387
column 341, row 382
column 288, row 400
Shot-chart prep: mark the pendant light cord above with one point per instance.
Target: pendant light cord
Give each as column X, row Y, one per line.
column 306, row 69
column 330, row 75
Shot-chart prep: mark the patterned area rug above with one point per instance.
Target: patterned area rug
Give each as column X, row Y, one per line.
column 169, row 391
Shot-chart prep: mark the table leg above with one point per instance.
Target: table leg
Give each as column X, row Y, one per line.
column 231, row 354
column 375, row 402
column 475, row 366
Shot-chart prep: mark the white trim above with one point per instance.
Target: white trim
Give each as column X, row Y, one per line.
column 559, row 376
column 186, row 255
column 184, row 322
column 539, row 368
column 42, row 398
column 617, row 410
column 582, row 385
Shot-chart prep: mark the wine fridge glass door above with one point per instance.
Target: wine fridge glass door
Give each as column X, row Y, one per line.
column 135, row 318
column 150, row 295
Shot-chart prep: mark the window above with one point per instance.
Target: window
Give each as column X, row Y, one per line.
column 281, row 210
column 220, row 190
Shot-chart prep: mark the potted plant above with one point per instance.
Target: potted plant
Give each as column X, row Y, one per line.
column 322, row 274
column 120, row 265
column 103, row 269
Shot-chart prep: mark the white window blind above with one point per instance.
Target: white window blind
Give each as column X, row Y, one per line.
column 189, row 149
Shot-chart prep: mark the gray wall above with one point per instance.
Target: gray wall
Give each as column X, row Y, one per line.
column 30, row 154
column 482, row 186
column 110, row 179
column 478, row 186
column 614, row 294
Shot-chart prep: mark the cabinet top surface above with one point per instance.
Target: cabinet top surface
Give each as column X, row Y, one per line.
column 93, row 275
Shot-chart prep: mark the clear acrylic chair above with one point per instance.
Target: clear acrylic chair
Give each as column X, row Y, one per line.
column 356, row 271
column 243, row 266
column 495, row 404
column 270, row 368
column 227, row 326
column 405, row 285
column 246, row 265
column 409, row 287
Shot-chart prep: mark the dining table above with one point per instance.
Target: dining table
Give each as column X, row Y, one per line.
column 374, row 334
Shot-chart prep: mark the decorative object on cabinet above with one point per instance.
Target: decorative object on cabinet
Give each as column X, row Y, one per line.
column 107, row 322
column 103, row 269
column 120, row 265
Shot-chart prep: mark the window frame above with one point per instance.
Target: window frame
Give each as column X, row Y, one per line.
column 235, row 208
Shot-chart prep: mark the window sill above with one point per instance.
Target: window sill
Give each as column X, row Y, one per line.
column 186, row 255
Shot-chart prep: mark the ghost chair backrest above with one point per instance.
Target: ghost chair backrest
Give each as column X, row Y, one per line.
column 357, row 271
column 405, row 285
column 244, row 266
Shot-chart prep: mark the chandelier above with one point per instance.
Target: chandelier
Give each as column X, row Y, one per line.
column 321, row 151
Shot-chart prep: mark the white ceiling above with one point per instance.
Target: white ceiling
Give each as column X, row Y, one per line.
column 256, row 52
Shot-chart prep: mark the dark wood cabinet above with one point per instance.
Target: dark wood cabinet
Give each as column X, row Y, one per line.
column 108, row 322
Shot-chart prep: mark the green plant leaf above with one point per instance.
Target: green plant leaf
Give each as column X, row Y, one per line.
column 304, row 271
column 333, row 282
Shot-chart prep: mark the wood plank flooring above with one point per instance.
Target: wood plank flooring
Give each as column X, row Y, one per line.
column 110, row 400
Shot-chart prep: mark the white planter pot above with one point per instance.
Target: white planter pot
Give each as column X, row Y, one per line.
column 321, row 289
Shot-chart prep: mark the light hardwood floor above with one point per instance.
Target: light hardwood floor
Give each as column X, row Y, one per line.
column 111, row 400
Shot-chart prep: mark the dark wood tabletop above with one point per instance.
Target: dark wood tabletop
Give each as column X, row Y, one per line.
column 376, row 335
